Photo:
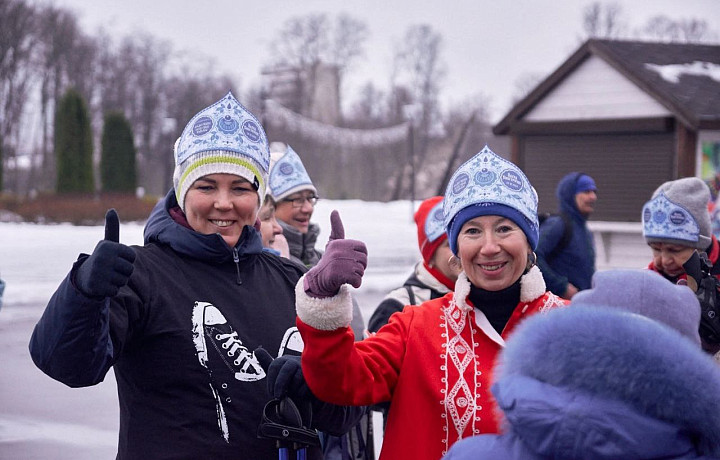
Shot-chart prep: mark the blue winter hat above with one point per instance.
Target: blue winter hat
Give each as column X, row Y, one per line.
column 222, row 138
column 288, row 175
column 585, row 183
column 678, row 213
column 487, row 184
column 646, row 293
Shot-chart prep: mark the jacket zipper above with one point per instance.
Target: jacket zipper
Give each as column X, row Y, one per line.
column 236, row 259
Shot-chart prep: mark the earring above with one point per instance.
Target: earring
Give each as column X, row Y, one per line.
column 532, row 260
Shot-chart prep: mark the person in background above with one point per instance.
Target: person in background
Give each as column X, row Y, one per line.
column 177, row 318
column 295, row 197
column 618, row 375
column 566, row 249
column 676, row 225
column 433, row 362
column 271, row 232
column 433, row 277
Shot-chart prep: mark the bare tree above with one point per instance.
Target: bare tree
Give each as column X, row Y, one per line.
column 307, row 42
column 64, row 60
column 419, row 67
column 663, row 28
column 18, row 27
column 603, row 20
column 524, row 84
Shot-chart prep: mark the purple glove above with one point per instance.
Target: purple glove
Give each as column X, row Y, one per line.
column 344, row 262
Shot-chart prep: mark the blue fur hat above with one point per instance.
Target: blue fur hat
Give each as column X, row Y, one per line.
column 487, row 184
column 223, row 138
column 288, row 175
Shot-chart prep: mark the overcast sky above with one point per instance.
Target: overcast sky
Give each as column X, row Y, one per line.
column 487, row 44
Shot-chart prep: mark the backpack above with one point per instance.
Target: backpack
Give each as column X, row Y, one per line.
column 566, row 236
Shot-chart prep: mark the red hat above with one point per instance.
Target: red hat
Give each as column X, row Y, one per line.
column 431, row 233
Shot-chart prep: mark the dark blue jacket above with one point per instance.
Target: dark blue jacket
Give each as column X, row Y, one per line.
column 180, row 337
column 575, row 263
column 600, row 384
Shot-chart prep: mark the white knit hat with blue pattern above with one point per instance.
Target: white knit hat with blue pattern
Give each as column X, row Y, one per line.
column 223, row 138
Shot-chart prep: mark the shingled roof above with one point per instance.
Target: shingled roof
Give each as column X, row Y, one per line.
column 684, row 78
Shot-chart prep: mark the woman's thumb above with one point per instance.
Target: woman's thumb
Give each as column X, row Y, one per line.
column 337, row 231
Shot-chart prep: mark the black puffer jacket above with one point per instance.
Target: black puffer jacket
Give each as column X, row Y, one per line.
column 180, row 337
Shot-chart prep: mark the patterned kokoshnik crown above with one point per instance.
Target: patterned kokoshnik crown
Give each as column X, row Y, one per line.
column 487, row 178
column 665, row 219
column 222, row 138
column 288, row 175
column 434, row 227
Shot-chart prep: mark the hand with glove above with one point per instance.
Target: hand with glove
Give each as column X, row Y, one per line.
column 109, row 266
column 285, row 379
column 344, row 262
column 284, row 375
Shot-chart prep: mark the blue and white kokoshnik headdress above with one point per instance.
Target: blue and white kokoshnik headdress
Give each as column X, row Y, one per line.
column 288, row 176
column 222, row 138
column 664, row 220
column 434, row 224
column 487, row 184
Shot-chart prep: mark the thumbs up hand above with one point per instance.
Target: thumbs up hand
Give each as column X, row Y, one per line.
column 344, row 262
column 110, row 265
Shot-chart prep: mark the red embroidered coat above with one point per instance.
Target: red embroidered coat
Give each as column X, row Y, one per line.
column 433, row 361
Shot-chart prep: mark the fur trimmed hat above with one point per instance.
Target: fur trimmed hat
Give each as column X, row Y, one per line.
column 487, row 184
column 288, row 175
column 430, row 230
column 222, row 138
column 678, row 213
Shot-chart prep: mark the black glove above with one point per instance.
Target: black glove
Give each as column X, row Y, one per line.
column 110, row 265
column 285, row 379
column 705, row 285
column 284, row 376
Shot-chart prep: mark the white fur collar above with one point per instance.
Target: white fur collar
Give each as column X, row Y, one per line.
column 532, row 286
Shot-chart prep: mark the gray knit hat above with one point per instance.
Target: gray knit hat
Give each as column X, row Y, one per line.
column 646, row 293
column 678, row 213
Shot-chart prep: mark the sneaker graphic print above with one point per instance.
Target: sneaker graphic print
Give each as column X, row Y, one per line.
column 222, row 353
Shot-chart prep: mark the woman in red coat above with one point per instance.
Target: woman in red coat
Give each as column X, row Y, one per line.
column 434, row 361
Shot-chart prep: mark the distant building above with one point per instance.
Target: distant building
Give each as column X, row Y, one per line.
column 314, row 93
column 630, row 114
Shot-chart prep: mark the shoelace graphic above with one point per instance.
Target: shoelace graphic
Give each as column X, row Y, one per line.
column 233, row 345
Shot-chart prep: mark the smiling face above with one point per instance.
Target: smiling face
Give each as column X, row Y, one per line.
column 268, row 224
column 669, row 258
column 223, row 204
column 298, row 217
column 493, row 251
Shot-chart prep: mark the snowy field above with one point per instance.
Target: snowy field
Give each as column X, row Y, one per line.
column 43, row 419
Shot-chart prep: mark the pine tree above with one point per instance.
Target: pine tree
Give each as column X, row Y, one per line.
column 73, row 145
column 117, row 160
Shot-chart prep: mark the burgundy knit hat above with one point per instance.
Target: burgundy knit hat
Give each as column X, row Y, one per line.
column 431, row 233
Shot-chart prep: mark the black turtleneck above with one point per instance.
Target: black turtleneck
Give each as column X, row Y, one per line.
column 496, row 305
